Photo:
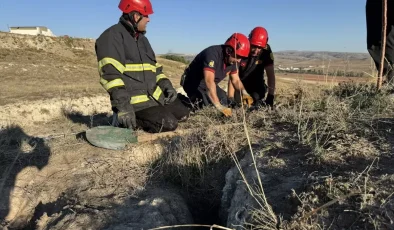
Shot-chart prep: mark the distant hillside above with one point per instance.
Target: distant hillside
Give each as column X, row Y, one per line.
column 295, row 55
column 320, row 55
column 316, row 61
column 187, row 57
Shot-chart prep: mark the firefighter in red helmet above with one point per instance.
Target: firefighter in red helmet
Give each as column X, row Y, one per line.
column 141, row 95
column 200, row 80
column 251, row 70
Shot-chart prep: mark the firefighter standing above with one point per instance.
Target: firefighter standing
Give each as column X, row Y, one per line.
column 373, row 10
column 140, row 93
column 251, row 70
column 200, row 80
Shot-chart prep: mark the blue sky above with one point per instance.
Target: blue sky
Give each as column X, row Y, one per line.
column 188, row 26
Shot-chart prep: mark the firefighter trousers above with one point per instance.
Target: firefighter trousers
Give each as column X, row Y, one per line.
column 161, row 118
column 373, row 12
column 255, row 87
column 199, row 98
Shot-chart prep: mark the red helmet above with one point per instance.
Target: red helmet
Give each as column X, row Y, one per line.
column 144, row 7
column 258, row 36
column 239, row 43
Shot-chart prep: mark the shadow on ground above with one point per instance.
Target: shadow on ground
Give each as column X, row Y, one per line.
column 17, row 151
column 89, row 120
column 380, row 132
column 188, row 182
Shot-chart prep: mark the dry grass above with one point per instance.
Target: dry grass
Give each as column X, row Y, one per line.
column 342, row 128
column 339, row 126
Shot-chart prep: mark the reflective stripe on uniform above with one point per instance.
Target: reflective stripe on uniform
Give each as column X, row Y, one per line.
column 143, row 98
column 161, row 76
column 139, row 99
column 157, row 93
column 132, row 68
column 110, row 84
column 115, row 63
column 140, row 67
column 129, row 67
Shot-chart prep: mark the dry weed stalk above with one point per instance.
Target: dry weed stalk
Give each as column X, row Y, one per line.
column 384, row 28
column 269, row 217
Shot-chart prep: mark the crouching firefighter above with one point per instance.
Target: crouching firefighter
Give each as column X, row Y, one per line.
column 252, row 69
column 141, row 95
column 200, row 80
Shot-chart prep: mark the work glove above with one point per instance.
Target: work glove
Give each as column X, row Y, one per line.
column 120, row 101
column 247, row 99
column 170, row 93
column 126, row 116
column 256, row 105
column 231, row 102
column 223, row 109
column 269, row 100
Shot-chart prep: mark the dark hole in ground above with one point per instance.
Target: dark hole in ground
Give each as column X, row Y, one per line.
column 200, row 176
column 204, row 205
column 201, row 189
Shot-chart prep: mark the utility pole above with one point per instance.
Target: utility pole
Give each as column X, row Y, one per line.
column 383, row 47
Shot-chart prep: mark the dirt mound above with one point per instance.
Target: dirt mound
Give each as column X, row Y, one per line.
column 154, row 207
column 46, row 110
column 56, row 45
column 278, row 178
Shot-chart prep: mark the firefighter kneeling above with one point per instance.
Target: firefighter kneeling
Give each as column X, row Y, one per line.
column 141, row 95
column 200, row 80
column 251, row 71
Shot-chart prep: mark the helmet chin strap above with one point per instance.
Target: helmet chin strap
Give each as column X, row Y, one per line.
column 228, row 52
column 130, row 18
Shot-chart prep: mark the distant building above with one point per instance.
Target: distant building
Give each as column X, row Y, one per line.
column 32, row 30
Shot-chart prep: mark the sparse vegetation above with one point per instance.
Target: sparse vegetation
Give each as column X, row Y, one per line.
column 69, row 41
column 339, row 73
column 175, row 58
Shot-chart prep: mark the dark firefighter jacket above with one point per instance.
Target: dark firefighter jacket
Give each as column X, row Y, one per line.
column 252, row 68
column 212, row 59
column 128, row 68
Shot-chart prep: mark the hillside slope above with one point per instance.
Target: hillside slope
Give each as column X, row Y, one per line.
column 39, row 67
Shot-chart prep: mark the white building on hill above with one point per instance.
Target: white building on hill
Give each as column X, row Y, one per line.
column 32, row 30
